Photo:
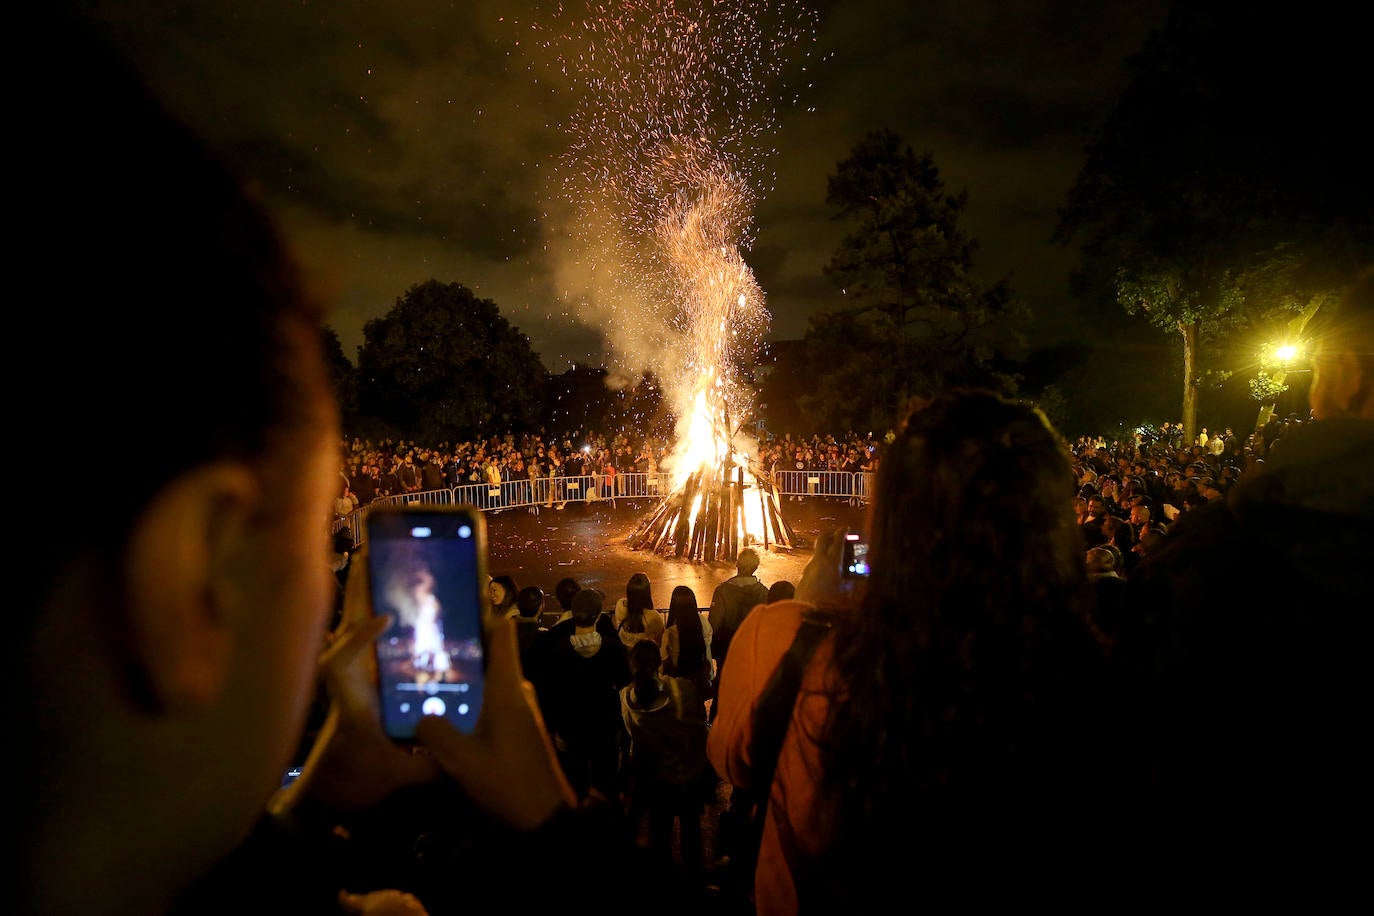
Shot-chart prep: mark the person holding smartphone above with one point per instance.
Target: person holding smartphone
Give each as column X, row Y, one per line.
column 164, row 661
column 944, row 719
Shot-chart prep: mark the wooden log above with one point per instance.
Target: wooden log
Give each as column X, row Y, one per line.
column 682, row 528
column 763, row 510
column 718, row 529
column 701, row 524
column 648, row 529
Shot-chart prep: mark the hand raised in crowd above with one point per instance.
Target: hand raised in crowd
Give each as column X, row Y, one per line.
column 821, row 582
column 353, row 764
column 508, row 764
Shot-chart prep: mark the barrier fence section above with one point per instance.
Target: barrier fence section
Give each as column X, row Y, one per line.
column 556, row 492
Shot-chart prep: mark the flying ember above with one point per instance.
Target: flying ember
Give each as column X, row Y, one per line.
column 675, row 102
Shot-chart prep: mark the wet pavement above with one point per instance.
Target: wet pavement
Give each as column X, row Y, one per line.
column 588, row 543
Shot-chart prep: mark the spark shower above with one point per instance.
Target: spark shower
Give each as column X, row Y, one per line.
column 669, row 140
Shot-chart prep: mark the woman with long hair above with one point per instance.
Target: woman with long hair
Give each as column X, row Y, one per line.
column 502, row 593
column 687, row 642
column 636, row 617
column 947, row 721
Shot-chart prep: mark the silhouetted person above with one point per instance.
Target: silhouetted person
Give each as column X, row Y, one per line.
column 583, row 665
column 731, row 602
column 1258, row 630
column 951, row 720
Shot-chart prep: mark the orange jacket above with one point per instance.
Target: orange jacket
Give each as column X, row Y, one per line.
column 758, row 647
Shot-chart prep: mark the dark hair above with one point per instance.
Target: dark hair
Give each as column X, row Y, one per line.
column 639, row 598
column 587, row 606
column 1345, row 325
column 685, row 614
column 530, row 601
column 564, row 591
column 153, row 187
column 645, row 662
column 952, row 679
column 342, row 541
column 781, row 590
column 511, row 592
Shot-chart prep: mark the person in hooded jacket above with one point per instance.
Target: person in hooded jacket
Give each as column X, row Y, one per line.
column 581, row 666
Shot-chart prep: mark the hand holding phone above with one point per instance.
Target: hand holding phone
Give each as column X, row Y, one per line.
column 352, row 764
column 427, row 571
column 854, row 557
column 824, row 580
column 509, row 768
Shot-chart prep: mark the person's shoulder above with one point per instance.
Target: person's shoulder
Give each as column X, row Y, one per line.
column 783, row 616
column 561, row 629
column 686, row 697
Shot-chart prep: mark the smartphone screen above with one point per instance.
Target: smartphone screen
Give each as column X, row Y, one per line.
column 855, row 562
column 427, row 567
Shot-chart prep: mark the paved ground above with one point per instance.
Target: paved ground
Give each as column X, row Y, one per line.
column 587, row 542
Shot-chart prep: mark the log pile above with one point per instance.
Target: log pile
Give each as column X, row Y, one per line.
column 717, row 530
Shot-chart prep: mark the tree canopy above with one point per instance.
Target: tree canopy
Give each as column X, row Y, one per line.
column 1227, row 191
column 444, row 365
column 918, row 321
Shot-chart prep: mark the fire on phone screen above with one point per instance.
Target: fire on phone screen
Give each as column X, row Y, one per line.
column 427, row 569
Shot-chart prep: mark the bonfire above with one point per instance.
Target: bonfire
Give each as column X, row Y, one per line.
column 669, row 145
column 721, row 500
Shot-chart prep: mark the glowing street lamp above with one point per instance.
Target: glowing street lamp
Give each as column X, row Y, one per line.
column 1275, row 362
column 1280, row 356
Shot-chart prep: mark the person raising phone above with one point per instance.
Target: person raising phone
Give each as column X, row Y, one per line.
column 166, row 658
column 946, row 716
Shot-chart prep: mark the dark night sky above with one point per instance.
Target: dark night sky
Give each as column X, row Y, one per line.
column 410, row 140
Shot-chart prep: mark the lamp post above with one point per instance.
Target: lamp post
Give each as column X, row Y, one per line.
column 1277, row 358
column 1275, row 362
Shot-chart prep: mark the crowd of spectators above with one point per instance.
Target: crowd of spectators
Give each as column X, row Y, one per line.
column 1153, row 468
column 1132, row 490
column 391, row 467
column 960, row 732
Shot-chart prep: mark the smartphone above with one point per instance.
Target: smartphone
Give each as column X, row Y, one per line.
column 427, row 566
column 854, row 564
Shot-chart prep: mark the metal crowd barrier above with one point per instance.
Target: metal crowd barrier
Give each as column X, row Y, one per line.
column 551, row 492
column 818, row 483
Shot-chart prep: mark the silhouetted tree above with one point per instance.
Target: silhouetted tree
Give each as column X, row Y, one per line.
column 1228, row 191
column 343, row 375
column 640, row 408
column 784, row 376
column 444, row 365
column 918, row 321
column 578, row 400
